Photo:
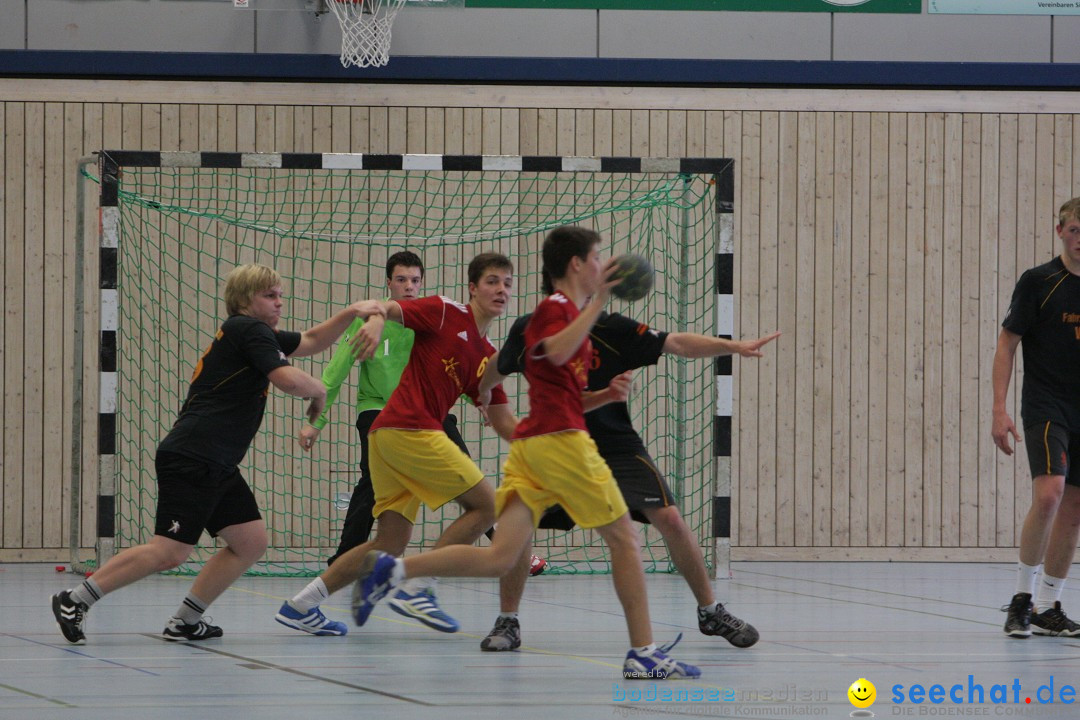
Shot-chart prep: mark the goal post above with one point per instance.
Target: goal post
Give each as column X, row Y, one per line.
column 172, row 224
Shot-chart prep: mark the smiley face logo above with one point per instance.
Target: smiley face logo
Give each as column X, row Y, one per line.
column 862, row 693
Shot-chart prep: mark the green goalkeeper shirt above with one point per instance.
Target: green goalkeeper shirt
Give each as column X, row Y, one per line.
column 379, row 375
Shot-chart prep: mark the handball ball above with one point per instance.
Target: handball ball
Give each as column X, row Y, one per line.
column 636, row 277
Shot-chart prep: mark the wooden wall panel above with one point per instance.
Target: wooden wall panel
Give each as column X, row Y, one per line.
column 882, row 234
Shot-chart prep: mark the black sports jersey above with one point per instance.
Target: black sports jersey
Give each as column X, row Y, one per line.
column 1045, row 312
column 619, row 344
column 227, row 397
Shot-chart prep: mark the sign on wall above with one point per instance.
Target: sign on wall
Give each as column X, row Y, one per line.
column 867, row 6
column 1006, row 7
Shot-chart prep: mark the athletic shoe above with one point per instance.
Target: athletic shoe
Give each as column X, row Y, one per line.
column 738, row 632
column 1054, row 622
column 1018, row 621
column 506, row 635
column 70, row 614
column 372, row 584
column 313, row 621
column 202, row 630
column 537, row 565
column 656, row 666
column 422, row 606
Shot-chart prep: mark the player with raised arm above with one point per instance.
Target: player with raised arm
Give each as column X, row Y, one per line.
column 199, row 481
column 621, row 345
column 411, row 458
column 552, row 461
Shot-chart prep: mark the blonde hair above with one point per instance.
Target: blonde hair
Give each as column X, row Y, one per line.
column 244, row 282
column 1069, row 211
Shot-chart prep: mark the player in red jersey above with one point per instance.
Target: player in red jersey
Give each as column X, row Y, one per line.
column 411, row 458
column 552, row 460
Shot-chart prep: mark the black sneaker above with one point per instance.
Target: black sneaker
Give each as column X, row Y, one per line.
column 1054, row 622
column 176, row 631
column 720, row 622
column 1018, row 622
column 506, row 635
column 70, row 614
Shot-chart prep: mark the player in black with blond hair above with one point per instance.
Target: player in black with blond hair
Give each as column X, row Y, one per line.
column 199, row 481
column 621, row 345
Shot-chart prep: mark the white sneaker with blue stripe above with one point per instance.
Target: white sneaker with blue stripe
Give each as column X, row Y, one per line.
column 657, row 665
column 422, row 606
column 313, row 621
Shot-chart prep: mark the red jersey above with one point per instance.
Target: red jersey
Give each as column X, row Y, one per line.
column 447, row 360
column 554, row 390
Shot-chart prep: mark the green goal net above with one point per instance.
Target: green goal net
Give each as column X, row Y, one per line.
column 329, row 232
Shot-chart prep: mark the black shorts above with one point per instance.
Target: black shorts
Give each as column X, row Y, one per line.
column 194, row 495
column 1050, row 448
column 641, row 483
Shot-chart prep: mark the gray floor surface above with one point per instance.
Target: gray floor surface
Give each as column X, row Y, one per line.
column 823, row 626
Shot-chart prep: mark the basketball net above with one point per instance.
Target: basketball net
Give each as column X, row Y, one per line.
column 365, row 30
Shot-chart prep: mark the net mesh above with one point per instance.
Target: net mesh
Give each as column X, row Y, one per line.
column 329, row 233
column 366, row 27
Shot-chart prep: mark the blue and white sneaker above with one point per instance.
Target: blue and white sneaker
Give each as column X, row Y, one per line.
column 657, row 665
column 372, row 584
column 422, row 606
column 313, row 622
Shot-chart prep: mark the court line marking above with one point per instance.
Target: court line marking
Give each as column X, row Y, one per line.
column 35, row 695
column 294, row 671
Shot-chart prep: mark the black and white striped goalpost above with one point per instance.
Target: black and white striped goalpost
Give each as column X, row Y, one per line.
column 725, row 327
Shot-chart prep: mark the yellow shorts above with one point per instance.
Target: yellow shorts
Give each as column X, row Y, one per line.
column 561, row 468
column 413, row 466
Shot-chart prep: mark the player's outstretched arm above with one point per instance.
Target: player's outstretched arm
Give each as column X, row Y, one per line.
column 1001, row 374
column 693, row 345
column 294, row 381
column 325, row 333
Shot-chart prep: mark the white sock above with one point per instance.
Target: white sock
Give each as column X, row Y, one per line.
column 1049, row 592
column 412, row 585
column 706, row 609
column 646, row 650
column 191, row 610
column 1025, row 578
column 311, row 596
column 397, row 575
column 87, row 593
column 510, row 615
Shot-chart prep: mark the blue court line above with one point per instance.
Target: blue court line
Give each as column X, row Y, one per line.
column 81, row 654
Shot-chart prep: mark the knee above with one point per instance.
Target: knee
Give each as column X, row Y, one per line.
column 666, row 520
column 1046, row 501
column 171, row 558
column 252, row 547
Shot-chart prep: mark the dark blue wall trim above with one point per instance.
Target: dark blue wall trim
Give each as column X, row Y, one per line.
column 585, row 71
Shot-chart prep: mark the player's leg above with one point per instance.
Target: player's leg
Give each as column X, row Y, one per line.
column 713, row 618
column 1047, row 447
column 188, row 490
column 237, row 521
column 245, row 543
column 381, row 573
column 436, row 470
column 506, row 635
column 358, row 518
column 302, row 611
column 1049, row 617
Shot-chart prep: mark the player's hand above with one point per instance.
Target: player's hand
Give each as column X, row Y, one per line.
column 367, row 308
column 620, row 386
column 752, row 348
column 1002, row 428
column 483, row 400
column 366, row 339
column 607, row 281
column 484, row 412
column 308, row 436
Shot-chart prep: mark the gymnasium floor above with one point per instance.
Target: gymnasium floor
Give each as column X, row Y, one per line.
column 823, row 626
